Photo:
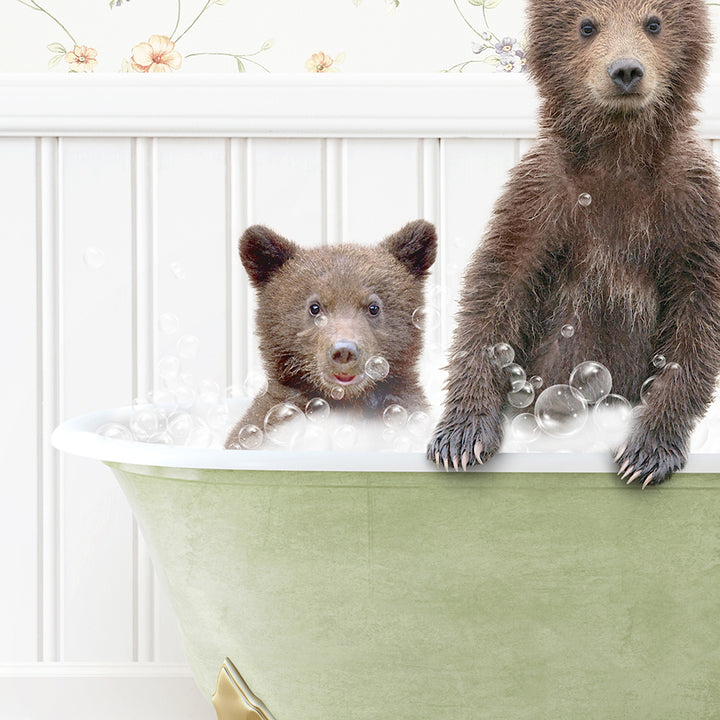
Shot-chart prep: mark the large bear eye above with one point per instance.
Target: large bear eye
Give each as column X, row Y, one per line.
column 373, row 308
column 653, row 25
column 314, row 309
column 587, row 28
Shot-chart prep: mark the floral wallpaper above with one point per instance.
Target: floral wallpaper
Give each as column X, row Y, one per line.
column 318, row 36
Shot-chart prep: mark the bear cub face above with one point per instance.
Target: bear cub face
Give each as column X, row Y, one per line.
column 618, row 57
column 324, row 312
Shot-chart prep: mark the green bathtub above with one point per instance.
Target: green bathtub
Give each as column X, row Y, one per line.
column 353, row 586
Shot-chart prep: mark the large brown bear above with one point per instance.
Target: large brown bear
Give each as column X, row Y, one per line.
column 324, row 312
column 610, row 224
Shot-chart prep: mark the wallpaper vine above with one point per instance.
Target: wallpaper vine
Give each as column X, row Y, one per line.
column 318, row 36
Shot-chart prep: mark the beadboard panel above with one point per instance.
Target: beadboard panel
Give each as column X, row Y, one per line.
column 116, row 225
column 22, row 402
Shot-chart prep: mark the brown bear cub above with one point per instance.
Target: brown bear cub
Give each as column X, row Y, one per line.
column 611, row 223
column 324, row 312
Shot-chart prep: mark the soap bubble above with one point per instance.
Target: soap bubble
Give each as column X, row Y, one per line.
column 536, row 381
column 188, row 346
column 209, row 387
column 426, row 318
column 315, row 437
column 250, row 437
column 345, row 437
column 516, row 375
column 560, row 410
column 584, row 199
column 177, row 270
column 218, row 417
column 200, row 437
column 612, row 412
column 592, row 380
column 317, row 410
column 672, row 367
column 162, row 438
column 522, row 397
column 645, row 388
column 284, row 423
column 145, row 422
column 524, row 427
column 659, row 361
column 233, row 392
column 164, row 399
column 168, row 323
column 567, row 331
column 377, row 367
column 337, row 393
column 395, row 416
column 185, row 396
column 168, row 366
column 255, row 384
column 418, row 424
column 94, row 258
column 115, row 431
column 321, row 321
column 502, row 354
column 179, row 426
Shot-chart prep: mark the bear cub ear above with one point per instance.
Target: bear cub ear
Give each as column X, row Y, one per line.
column 263, row 252
column 414, row 245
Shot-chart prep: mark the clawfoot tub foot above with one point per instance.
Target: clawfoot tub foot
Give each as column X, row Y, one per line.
column 233, row 699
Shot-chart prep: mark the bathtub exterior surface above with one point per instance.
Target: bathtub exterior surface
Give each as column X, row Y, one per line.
column 513, row 596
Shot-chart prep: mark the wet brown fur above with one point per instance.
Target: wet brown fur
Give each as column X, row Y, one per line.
column 637, row 272
column 344, row 280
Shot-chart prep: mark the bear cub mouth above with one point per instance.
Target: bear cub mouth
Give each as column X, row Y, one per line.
column 346, row 378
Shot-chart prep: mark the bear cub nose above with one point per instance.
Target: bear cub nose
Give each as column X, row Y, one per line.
column 343, row 352
column 626, row 73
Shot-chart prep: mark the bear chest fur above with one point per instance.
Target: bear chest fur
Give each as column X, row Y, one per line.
column 603, row 286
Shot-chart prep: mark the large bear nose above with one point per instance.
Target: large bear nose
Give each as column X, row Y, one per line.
column 626, row 73
column 343, row 352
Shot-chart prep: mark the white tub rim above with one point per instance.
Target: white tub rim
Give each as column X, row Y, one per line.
column 78, row 436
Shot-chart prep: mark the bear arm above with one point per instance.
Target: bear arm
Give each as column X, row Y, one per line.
column 501, row 290
column 688, row 336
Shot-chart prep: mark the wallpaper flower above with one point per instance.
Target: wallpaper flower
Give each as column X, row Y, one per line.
column 318, row 36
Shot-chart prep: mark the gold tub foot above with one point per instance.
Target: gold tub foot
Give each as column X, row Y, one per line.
column 233, row 699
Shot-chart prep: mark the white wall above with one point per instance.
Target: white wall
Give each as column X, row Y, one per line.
column 83, row 623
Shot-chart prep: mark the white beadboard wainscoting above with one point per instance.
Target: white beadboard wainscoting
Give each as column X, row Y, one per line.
column 121, row 200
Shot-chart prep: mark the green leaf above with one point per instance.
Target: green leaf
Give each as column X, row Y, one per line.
column 54, row 60
column 268, row 44
column 56, row 48
column 240, row 64
column 112, row 4
column 490, row 4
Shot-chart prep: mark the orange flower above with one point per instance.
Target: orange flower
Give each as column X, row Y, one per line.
column 158, row 54
column 319, row 62
column 81, row 58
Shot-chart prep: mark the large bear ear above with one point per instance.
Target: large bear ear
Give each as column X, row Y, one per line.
column 414, row 245
column 263, row 252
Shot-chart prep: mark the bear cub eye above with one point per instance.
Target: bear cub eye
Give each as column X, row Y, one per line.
column 653, row 25
column 373, row 308
column 314, row 309
column 587, row 28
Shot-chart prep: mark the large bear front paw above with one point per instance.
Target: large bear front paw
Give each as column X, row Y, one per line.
column 649, row 459
column 463, row 440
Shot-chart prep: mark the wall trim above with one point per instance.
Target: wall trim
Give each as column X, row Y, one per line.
column 142, row 691
column 408, row 105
